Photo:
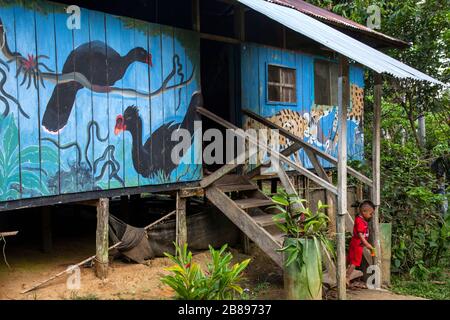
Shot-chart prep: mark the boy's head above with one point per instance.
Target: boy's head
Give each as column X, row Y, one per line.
column 366, row 209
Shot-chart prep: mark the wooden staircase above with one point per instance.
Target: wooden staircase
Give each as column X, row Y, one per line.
column 247, row 207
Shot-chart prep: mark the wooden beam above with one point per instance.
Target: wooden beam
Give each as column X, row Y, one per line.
column 306, row 146
column 90, row 195
column 287, row 185
column 216, row 175
column 215, row 37
column 286, row 152
column 196, row 15
column 101, row 257
column 191, row 192
column 343, row 101
column 273, row 186
column 278, row 155
column 376, row 152
column 8, row 233
column 239, row 22
column 181, row 226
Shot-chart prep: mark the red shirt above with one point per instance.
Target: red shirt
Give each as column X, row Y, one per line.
column 360, row 226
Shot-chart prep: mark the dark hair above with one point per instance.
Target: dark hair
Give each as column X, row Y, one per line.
column 366, row 202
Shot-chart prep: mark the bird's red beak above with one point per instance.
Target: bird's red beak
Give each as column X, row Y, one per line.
column 120, row 125
column 148, row 60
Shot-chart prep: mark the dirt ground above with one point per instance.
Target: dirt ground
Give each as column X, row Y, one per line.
column 263, row 279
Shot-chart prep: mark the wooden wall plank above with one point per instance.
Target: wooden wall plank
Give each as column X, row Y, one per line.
column 68, row 157
column 167, row 47
column 307, row 94
column 115, row 105
column 10, row 178
column 27, row 95
column 84, row 112
column 181, row 98
column 99, row 100
column 46, row 46
column 193, row 65
column 156, row 80
column 142, row 84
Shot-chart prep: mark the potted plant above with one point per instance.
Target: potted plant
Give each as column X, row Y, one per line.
column 305, row 239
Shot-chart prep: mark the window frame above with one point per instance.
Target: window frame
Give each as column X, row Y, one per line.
column 295, row 86
column 330, row 73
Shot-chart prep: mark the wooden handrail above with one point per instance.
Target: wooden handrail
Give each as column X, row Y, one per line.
column 282, row 158
column 306, row 145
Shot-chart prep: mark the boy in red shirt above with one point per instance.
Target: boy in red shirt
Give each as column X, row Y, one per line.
column 360, row 237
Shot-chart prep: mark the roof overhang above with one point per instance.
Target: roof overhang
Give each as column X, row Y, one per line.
column 337, row 41
column 377, row 39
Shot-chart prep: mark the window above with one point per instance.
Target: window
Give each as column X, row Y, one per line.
column 325, row 83
column 281, row 84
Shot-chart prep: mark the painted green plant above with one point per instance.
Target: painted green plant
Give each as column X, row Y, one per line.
column 20, row 174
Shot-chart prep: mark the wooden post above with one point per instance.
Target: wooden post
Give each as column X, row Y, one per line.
column 331, row 210
column 239, row 22
column 46, row 223
column 181, row 227
column 343, row 101
column 260, row 184
column 376, row 152
column 196, row 15
column 101, row 258
column 273, row 185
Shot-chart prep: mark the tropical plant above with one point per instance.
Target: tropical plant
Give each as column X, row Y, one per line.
column 220, row 282
column 301, row 223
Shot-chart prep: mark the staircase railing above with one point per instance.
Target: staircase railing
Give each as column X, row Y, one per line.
column 234, row 164
column 311, row 151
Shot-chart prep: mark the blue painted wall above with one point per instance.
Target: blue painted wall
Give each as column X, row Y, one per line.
column 66, row 118
column 321, row 122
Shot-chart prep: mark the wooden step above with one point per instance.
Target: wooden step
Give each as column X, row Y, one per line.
column 260, row 236
column 253, row 203
column 264, row 220
column 237, row 187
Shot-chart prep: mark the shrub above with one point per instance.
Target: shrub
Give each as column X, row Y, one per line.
column 220, row 282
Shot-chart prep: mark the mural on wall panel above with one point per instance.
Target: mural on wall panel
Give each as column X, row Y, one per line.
column 315, row 124
column 92, row 108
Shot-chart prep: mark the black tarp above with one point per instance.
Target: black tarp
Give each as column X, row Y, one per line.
column 204, row 229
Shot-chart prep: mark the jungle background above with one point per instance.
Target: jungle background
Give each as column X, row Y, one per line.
column 415, row 163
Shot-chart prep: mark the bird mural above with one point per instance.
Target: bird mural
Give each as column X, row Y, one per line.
column 101, row 65
column 153, row 155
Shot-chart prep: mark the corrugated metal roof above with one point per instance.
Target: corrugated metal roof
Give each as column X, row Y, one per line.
column 337, row 41
column 328, row 16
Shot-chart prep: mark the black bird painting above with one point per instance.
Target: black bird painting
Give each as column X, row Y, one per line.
column 101, row 65
column 154, row 155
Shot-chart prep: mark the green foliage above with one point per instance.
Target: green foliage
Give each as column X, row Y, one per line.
column 420, row 239
column 436, row 288
column 220, row 282
column 300, row 223
column 409, row 198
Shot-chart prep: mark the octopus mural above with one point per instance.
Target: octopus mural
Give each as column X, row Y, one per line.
column 93, row 108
